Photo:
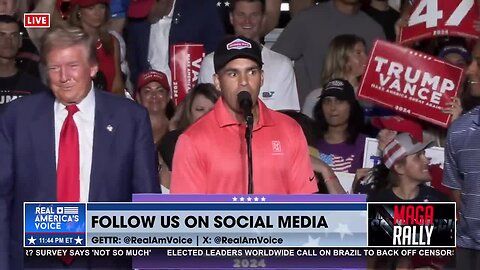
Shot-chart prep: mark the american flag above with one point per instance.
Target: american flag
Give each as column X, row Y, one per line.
column 337, row 163
column 67, row 210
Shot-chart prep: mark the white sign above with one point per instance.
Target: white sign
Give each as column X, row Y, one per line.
column 346, row 180
column 372, row 157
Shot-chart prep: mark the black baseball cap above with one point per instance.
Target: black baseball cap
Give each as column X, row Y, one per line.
column 235, row 47
column 339, row 88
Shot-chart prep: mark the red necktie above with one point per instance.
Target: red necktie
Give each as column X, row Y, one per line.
column 68, row 167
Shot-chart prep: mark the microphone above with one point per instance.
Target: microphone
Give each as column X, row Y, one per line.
column 245, row 102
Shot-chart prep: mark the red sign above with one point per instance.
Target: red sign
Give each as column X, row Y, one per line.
column 185, row 61
column 431, row 18
column 36, row 20
column 410, row 82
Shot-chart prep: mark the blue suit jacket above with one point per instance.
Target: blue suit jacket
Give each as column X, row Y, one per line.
column 123, row 161
column 197, row 22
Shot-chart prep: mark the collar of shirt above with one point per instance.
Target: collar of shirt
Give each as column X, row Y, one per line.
column 86, row 107
column 225, row 118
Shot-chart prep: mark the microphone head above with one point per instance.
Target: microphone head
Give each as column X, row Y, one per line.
column 245, row 100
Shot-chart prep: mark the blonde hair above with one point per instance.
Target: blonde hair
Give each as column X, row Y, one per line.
column 105, row 38
column 66, row 36
column 335, row 65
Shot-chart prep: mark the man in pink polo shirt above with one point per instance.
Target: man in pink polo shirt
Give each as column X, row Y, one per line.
column 211, row 156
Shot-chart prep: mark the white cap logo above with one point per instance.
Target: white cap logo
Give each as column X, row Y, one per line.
column 238, row 44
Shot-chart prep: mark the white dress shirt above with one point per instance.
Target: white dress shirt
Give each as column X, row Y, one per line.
column 84, row 120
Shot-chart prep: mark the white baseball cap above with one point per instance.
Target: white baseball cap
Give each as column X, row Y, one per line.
column 402, row 146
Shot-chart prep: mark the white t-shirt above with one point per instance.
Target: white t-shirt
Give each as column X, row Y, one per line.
column 158, row 45
column 279, row 90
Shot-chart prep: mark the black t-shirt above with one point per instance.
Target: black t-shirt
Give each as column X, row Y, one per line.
column 166, row 148
column 426, row 194
column 19, row 85
column 28, row 58
column 386, row 19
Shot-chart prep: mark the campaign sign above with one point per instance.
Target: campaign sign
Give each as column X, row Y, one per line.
column 410, row 82
column 185, row 62
column 411, row 224
column 54, row 225
column 431, row 18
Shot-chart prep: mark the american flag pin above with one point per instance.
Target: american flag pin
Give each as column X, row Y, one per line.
column 110, row 128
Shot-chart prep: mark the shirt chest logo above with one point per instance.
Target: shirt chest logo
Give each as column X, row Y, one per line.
column 268, row 94
column 276, row 147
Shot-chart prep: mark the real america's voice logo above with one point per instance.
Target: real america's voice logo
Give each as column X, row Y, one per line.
column 36, row 20
column 54, row 224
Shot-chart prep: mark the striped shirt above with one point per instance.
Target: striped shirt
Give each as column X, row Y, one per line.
column 462, row 172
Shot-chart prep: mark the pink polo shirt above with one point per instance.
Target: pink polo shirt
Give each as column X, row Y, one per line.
column 211, row 157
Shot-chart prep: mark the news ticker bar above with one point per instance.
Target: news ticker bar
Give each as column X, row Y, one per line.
column 209, row 258
column 225, row 224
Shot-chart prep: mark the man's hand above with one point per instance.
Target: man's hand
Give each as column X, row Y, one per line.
column 359, row 176
column 401, row 22
column 454, row 108
column 385, row 136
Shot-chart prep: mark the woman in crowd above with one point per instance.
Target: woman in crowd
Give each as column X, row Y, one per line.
column 346, row 59
column 199, row 101
column 93, row 16
column 339, row 120
column 452, row 50
column 153, row 92
column 456, row 53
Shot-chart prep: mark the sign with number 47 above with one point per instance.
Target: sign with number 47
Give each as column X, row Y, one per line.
column 430, row 18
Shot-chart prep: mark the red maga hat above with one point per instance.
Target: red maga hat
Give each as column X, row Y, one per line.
column 152, row 76
column 400, row 124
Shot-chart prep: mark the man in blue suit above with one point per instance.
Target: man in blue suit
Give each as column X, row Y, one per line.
column 113, row 151
column 173, row 22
